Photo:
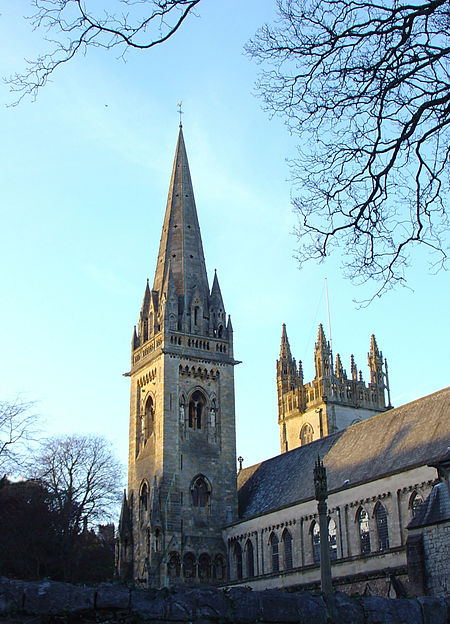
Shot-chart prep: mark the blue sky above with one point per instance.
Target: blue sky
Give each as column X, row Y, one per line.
column 85, row 172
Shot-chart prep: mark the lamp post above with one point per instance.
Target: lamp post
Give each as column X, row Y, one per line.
column 321, row 491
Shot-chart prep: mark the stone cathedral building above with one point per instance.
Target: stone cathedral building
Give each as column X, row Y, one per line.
column 187, row 517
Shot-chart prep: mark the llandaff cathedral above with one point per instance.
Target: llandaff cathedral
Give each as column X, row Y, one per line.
column 187, row 517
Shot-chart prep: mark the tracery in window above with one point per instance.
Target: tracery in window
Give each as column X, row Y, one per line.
column 364, row 531
column 287, row 549
column 196, row 409
column 174, row 565
column 274, row 552
column 249, row 559
column 306, row 434
column 382, row 527
column 200, row 491
column 332, row 542
column 315, row 533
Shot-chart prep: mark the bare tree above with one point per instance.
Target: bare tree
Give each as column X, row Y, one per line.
column 74, row 26
column 84, row 477
column 18, row 427
column 365, row 86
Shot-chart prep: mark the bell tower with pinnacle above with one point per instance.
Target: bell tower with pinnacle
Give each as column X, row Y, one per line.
column 182, row 443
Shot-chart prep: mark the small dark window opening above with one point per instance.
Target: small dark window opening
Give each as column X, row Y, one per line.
column 196, row 316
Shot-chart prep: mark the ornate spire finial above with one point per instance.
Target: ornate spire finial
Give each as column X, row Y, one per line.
column 180, row 112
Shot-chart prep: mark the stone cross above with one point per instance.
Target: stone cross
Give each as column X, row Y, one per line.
column 321, row 492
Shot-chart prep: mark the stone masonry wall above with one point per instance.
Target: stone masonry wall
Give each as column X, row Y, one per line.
column 51, row 603
column 436, row 544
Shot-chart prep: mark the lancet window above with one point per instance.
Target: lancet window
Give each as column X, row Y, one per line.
column 274, row 551
column 238, row 560
column 249, row 559
column 287, row 549
column 364, row 531
column 196, row 410
column 306, row 434
column 382, row 527
column 174, row 565
column 315, row 533
column 200, row 492
column 332, row 541
column 189, row 565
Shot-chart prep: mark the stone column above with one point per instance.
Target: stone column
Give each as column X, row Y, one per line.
column 321, row 490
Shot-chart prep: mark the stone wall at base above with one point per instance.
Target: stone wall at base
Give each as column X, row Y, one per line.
column 51, row 602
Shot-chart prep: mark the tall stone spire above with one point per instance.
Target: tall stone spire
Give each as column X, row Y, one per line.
column 285, row 349
column 181, row 243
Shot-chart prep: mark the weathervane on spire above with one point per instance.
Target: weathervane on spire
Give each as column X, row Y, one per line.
column 180, row 112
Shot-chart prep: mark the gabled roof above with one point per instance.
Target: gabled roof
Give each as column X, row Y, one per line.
column 412, row 435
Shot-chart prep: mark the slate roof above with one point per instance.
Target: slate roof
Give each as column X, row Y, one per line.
column 436, row 507
column 412, row 435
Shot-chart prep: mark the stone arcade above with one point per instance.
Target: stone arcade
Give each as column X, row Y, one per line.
column 180, row 521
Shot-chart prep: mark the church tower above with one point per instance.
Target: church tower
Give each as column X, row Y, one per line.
column 331, row 401
column 182, row 449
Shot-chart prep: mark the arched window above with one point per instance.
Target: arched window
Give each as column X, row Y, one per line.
column 174, row 565
column 196, row 409
column 287, row 549
column 414, row 503
column 306, row 434
column 200, row 491
column 237, row 553
column 189, row 565
column 274, row 552
column 143, row 497
column 332, row 543
column 315, row 533
column 249, row 560
column 219, row 568
column 148, row 419
column 382, row 527
column 204, row 566
column 364, row 531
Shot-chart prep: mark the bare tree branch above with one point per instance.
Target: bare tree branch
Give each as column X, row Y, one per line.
column 72, row 27
column 18, row 428
column 365, row 86
column 83, row 475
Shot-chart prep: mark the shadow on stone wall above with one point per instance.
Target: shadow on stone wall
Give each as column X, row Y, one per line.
column 52, row 602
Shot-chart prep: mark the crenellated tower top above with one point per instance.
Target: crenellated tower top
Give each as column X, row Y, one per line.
column 331, row 401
